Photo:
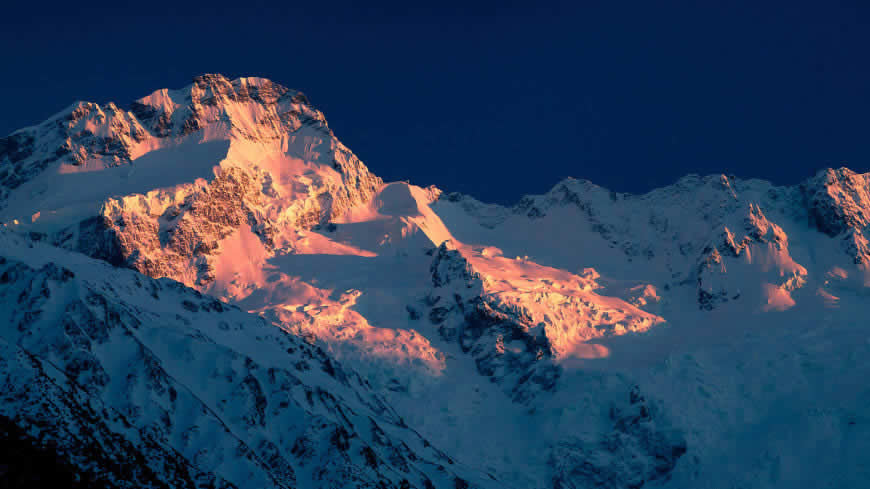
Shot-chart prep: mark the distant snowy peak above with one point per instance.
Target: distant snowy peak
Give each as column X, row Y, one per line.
column 705, row 191
column 839, row 198
column 835, row 200
column 731, row 238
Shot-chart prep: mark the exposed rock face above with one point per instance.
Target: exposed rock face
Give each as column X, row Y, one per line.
column 283, row 168
column 462, row 315
column 179, row 242
column 84, row 131
column 839, row 206
column 155, row 385
column 838, row 200
column 376, row 300
column 516, row 334
column 764, row 245
column 695, row 231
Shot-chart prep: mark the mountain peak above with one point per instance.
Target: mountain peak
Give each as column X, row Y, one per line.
column 839, row 200
column 236, row 135
column 209, row 86
column 245, row 101
column 584, row 337
column 87, row 136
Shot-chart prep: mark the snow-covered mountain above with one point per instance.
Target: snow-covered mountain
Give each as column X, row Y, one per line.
column 157, row 187
column 706, row 334
column 153, row 384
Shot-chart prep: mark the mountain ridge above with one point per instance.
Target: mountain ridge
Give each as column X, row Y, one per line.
column 553, row 343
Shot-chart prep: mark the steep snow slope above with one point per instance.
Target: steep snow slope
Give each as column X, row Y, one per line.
column 467, row 343
column 527, row 361
column 155, row 385
column 764, row 290
column 155, row 188
column 706, row 334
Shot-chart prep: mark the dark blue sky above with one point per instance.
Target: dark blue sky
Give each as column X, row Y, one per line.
column 492, row 100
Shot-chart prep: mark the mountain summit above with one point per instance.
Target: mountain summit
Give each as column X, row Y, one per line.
column 211, row 284
column 189, row 165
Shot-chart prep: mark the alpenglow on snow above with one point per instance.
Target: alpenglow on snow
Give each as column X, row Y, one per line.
column 206, row 288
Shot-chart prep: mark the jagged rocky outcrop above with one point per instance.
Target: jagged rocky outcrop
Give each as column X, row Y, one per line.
column 838, row 202
column 150, row 384
column 516, row 335
column 686, row 234
column 458, row 308
column 281, row 167
column 763, row 245
column 83, row 131
column 238, row 188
